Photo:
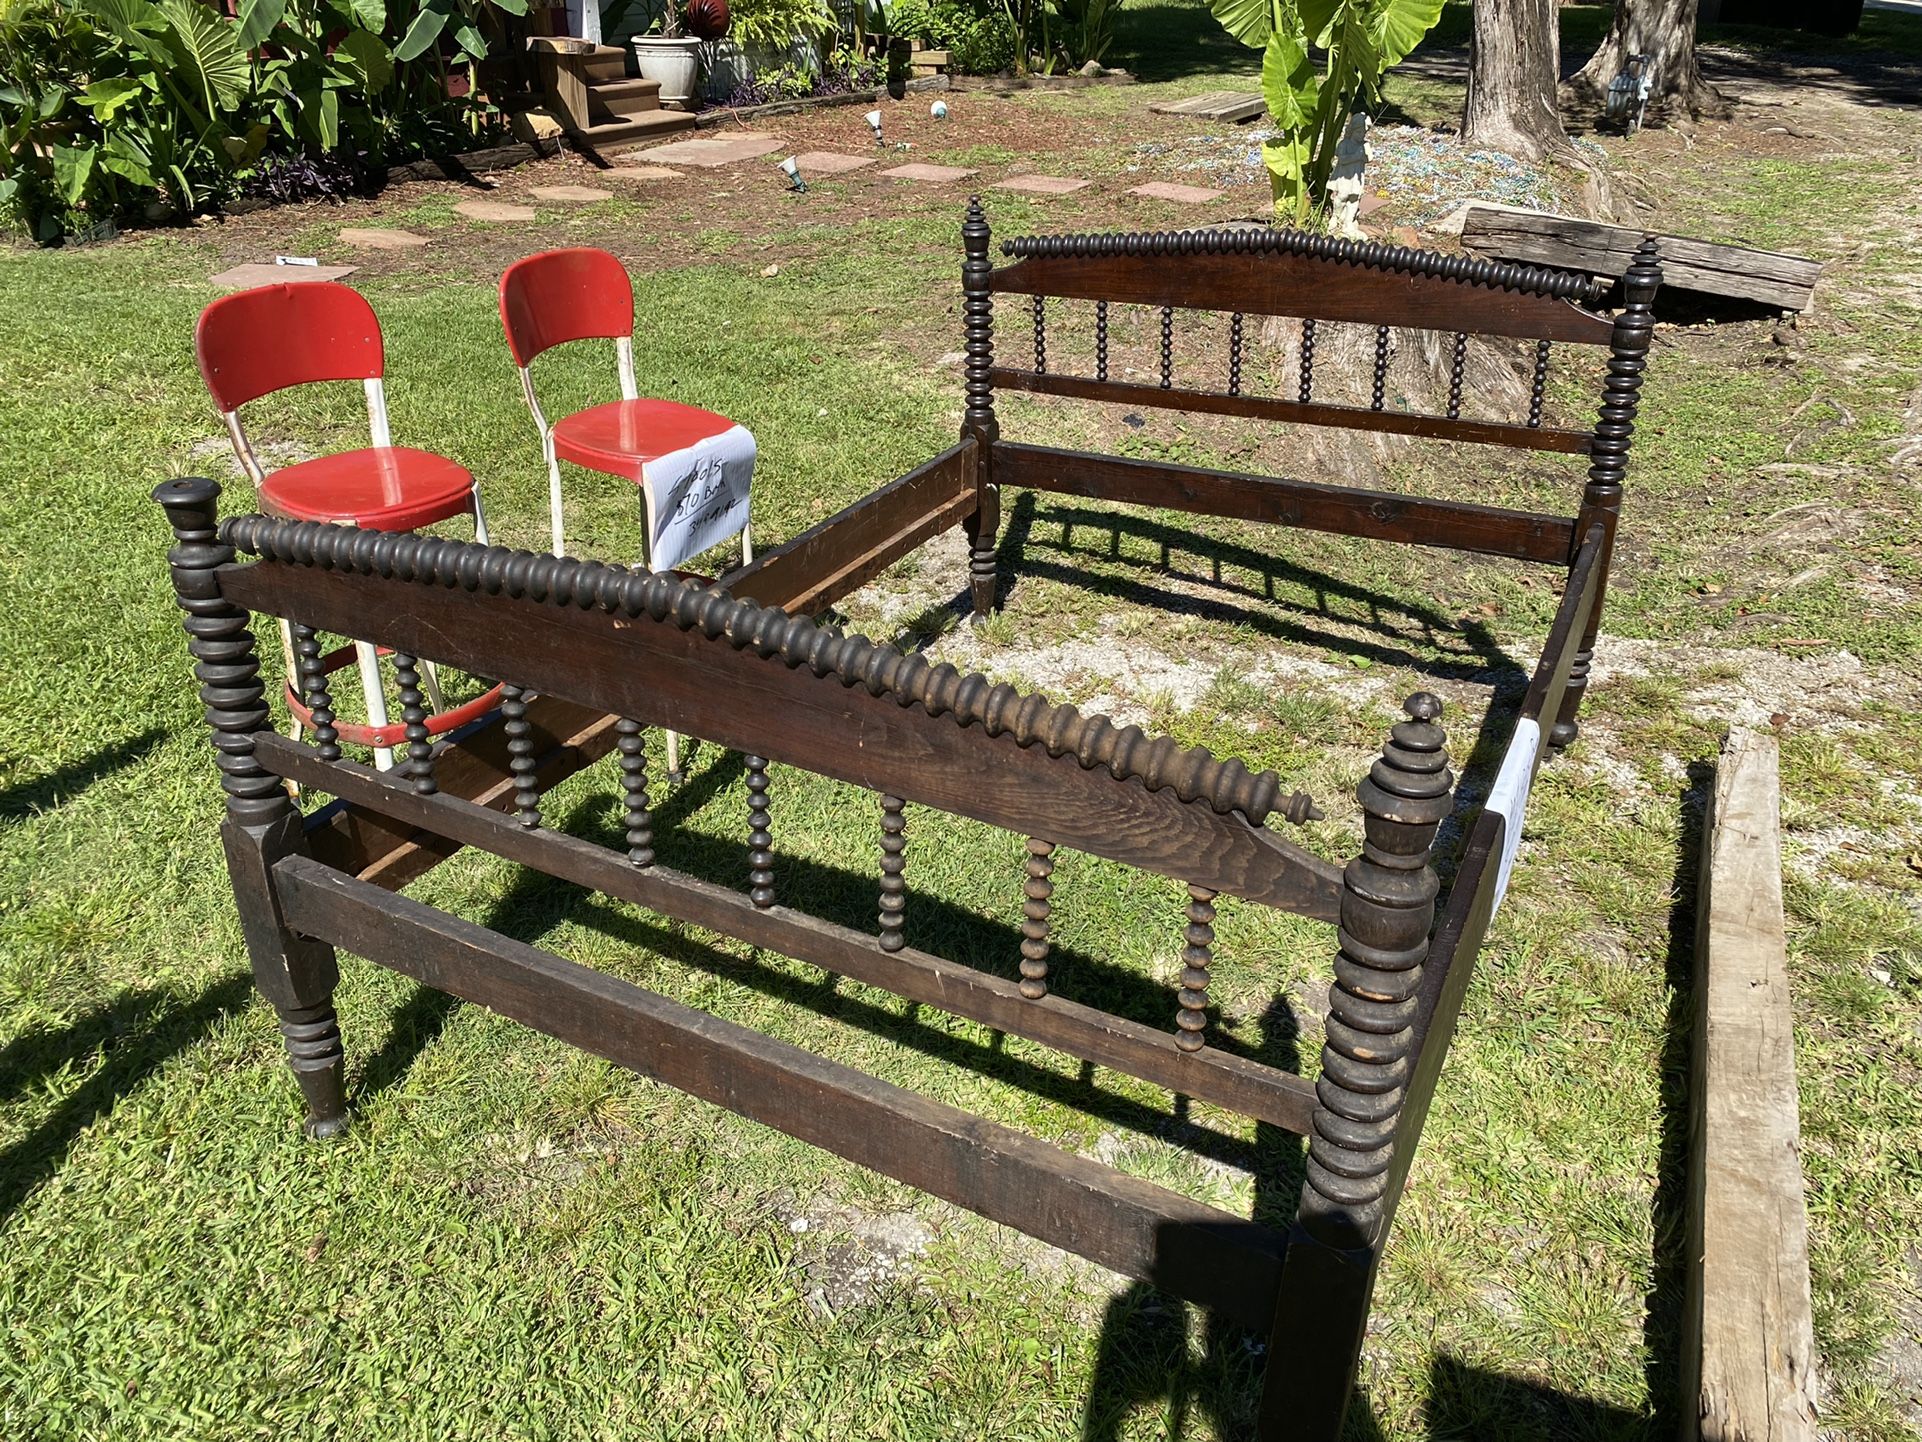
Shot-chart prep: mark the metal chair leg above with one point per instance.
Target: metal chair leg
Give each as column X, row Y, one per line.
column 369, row 662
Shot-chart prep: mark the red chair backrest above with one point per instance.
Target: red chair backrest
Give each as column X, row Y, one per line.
column 563, row 295
column 255, row 342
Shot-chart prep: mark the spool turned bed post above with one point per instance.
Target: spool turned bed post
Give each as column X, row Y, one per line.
column 979, row 424
column 296, row 974
column 1614, row 428
column 1387, row 912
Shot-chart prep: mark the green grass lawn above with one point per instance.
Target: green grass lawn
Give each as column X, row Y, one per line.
column 519, row 1241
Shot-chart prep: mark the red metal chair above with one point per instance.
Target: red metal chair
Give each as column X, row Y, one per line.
column 255, row 342
column 561, row 296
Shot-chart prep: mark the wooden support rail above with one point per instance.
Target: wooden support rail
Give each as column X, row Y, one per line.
column 1382, row 515
column 1192, row 1250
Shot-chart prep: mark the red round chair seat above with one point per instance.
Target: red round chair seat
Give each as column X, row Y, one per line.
column 381, row 488
column 618, row 438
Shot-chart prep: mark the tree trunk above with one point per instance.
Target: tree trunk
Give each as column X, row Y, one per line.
column 1665, row 30
column 1513, row 79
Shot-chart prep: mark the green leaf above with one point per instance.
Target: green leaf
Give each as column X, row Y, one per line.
column 134, row 23
column 51, row 99
column 1318, row 19
column 258, row 19
column 423, row 32
column 370, row 57
column 512, row 7
column 471, row 42
column 103, row 97
column 372, row 14
column 210, row 48
column 73, row 169
column 1249, row 21
column 1396, row 27
column 1288, row 81
column 125, row 158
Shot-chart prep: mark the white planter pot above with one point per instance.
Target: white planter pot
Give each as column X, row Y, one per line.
column 674, row 63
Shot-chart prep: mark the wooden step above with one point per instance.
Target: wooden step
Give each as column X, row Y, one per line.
column 630, row 131
column 622, row 98
column 606, row 63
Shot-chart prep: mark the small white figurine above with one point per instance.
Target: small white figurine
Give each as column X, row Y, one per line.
column 1344, row 181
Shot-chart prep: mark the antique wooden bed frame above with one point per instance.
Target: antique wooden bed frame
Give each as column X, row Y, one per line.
column 592, row 653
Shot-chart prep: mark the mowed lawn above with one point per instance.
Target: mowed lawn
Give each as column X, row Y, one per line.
column 517, row 1241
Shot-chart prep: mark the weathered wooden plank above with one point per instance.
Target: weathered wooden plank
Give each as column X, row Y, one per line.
column 1767, row 277
column 1749, row 1350
column 1188, row 1248
column 1380, row 515
column 1211, row 1075
column 1233, row 106
column 1306, row 413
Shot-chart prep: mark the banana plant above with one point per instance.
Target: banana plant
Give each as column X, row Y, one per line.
column 1359, row 41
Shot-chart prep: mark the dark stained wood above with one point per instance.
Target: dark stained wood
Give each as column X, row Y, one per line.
column 1381, row 515
column 688, row 682
column 1278, row 284
column 1763, row 276
column 1212, row 1075
column 1141, row 1230
column 853, row 546
column 1313, row 413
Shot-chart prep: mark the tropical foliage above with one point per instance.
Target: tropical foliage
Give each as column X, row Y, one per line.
column 107, row 106
column 1359, row 41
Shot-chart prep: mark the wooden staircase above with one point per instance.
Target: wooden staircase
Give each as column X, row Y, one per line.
column 602, row 110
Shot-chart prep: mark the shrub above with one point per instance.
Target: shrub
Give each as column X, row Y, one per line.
column 977, row 34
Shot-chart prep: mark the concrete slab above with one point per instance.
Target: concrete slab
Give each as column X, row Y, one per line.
column 377, row 239
column 937, row 173
column 246, row 277
column 571, row 194
column 1177, row 194
column 830, row 162
column 1042, row 184
column 707, row 153
column 493, row 211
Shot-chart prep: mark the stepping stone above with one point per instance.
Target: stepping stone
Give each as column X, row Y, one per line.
column 572, row 194
column 707, row 153
column 1179, row 194
column 830, row 162
column 1369, row 204
column 493, row 210
column 245, row 277
column 937, row 173
column 382, row 239
column 1042, row 184
column 642, row 172
column 1230, row 105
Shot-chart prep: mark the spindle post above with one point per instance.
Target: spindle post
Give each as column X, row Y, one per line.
column 1167, row 347
column 1101, row 340
column 1234, row 354
column 295, row 973
column 635, row 815
column 1306, row 390
column 978, row 421
column 1036, row 913
column 894, row 845
column 315, row 693
column 1455, row 372
column 1380, row 394
column 413, row 715
column 1608, row 458
column 1040, row 335
column 1539, row 390
column 760, row 858
column 520, row 754
column 1197, row 955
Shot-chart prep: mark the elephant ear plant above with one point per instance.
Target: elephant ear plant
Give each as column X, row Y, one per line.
column 1359, row 41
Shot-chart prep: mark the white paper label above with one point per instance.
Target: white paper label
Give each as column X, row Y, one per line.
column 698, row 497
column 1508, row 799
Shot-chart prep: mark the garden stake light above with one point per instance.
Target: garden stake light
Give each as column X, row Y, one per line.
column 873, row 118
column 793, row 173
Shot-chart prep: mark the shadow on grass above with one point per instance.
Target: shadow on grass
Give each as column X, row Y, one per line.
column 1175, row 38
column 57, row 787
column 134, row 1035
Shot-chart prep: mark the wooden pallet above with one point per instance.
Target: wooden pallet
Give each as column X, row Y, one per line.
column 1235, row 106
column 1768, row 278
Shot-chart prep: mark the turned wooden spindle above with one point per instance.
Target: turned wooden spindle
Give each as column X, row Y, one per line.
column 413, row 715
column 1197, row 955
column 1306, row 389
column 520, row 755
column 635, row 815
column 894, row 845
column 1036, row 913
column 1457, row 368
column 760, row 858
column 1538, row 391
column 315, row 693
column 1387, row 911
column 1235, row 324
column 1101, row 340
column 1380, row 393
column 1167, row 347
column 1040, row 335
